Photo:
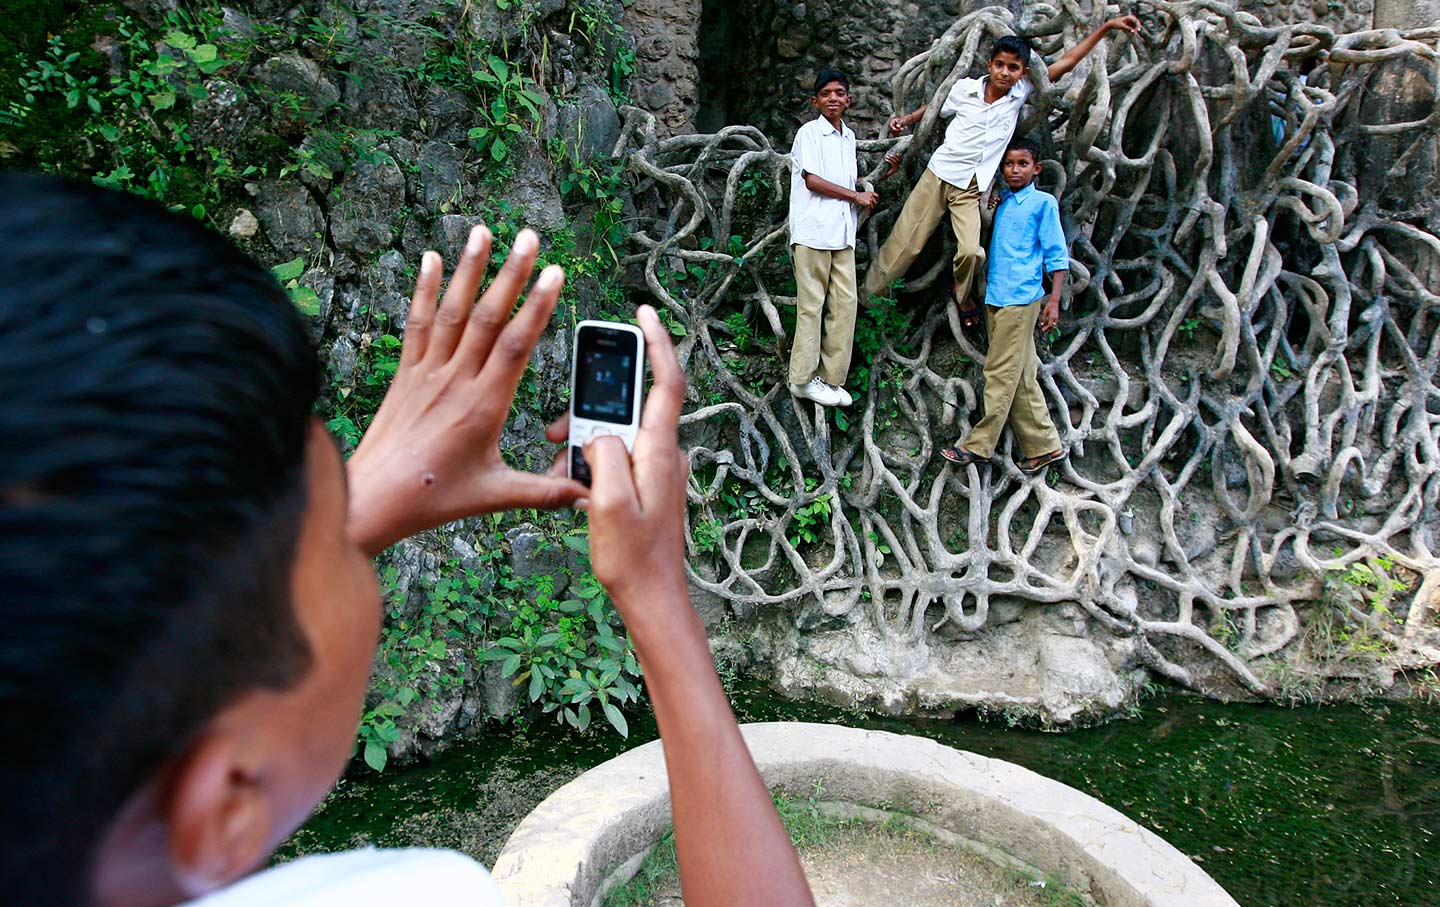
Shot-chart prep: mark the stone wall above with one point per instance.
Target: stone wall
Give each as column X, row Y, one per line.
column 667, row 55
column 705, row 65
column 1350, row 15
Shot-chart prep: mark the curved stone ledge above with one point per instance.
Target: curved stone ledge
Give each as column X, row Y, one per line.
column 572, row 844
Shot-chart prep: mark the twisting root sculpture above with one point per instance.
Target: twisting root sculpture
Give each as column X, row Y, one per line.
column 1246, row 376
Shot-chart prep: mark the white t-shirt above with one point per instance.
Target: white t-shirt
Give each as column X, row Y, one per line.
column 816, row 220
column 365, row 878
column 977, row 135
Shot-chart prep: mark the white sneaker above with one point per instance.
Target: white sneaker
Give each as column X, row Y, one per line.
column 824, row 394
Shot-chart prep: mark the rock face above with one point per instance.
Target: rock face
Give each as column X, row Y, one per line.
column 1048, row 666
column 667, row 54
column 754, row 62
column 883, row 577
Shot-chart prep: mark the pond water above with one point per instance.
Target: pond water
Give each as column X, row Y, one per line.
column 1327, row 805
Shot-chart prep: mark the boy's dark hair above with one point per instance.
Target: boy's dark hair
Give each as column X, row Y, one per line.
column 156, row 388
column 1025, row 145
column 1012, row 44
column 826, row 76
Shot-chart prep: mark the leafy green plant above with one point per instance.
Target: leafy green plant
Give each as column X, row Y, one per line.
column 507, row 95
column 708, row 536
column 570, row 654
column 622, row 67
column 740, row 331
column 754, row 183
column 1354, row 610
column 55, row 73
column 419, row 649
column 809, row 521
column 304, row 298
column 135, row 121
column 600, row 184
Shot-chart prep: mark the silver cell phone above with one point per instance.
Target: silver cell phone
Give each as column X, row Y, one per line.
column 605, row 388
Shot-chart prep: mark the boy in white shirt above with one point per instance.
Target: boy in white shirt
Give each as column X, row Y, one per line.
column 984, row 113
column 823, row 220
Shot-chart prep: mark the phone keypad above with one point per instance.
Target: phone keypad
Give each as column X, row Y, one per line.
column 579, row 469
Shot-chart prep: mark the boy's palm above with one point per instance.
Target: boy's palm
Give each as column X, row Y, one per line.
column 432, row 455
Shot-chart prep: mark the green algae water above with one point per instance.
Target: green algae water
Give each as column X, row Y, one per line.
column 1332, row 806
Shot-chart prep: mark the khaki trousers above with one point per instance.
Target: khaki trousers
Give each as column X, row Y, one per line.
column 928, row 202
column 1012, row 392
column 824, row 286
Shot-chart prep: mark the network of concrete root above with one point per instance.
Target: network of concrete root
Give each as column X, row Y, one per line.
column 1246, row 380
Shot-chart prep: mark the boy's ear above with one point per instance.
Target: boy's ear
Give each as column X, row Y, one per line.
column 217, row 814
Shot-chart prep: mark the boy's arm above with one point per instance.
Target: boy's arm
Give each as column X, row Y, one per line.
column 807, row 157
column 730, row 844
column 821, row 186
column 901, row 123
column 1074, row 55
column 1050, row 312
column 1055, row 255
column 430, row 456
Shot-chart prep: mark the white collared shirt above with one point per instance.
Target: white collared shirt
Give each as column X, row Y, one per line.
column 977, row 135
column 816, row 220
column 364, row 878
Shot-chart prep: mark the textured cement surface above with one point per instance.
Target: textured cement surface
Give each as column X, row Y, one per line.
column 563, row 852
column 868, row 866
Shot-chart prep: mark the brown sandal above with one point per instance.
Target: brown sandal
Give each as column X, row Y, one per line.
column 962, row 457
column 1032, row 465
column 972, row 318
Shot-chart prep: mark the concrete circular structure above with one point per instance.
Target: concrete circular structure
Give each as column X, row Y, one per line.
column 593, row 833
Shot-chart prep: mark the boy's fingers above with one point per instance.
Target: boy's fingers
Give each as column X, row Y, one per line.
column 559, row 430
column 459, row 300
column 560, row 467
column 490, row 316
column 422, row 309
column 547, row 492
column 464, row 284
column 667, row 394
column 612, row 485
column 509, row 354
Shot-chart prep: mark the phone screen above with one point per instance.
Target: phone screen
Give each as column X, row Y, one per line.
column 605, row 376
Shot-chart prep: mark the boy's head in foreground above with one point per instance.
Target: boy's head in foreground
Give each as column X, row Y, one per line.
column 188, row 628
column 832, row 94
column 1021, row 164
column 1009, row 61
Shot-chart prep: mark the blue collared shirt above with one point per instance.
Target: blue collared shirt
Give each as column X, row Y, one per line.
column 1026, row 243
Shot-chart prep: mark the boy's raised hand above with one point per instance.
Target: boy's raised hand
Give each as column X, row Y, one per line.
column 637, row 501
column 1129, row 23
column 432, row 454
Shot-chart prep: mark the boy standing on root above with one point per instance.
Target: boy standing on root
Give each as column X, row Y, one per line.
column 1026, row 242
column 983, row 115
column 823, row 220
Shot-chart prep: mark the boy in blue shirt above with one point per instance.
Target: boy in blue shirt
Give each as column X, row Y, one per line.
column 1026, row 242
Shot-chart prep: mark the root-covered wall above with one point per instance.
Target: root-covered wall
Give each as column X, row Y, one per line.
column 1245, row 378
